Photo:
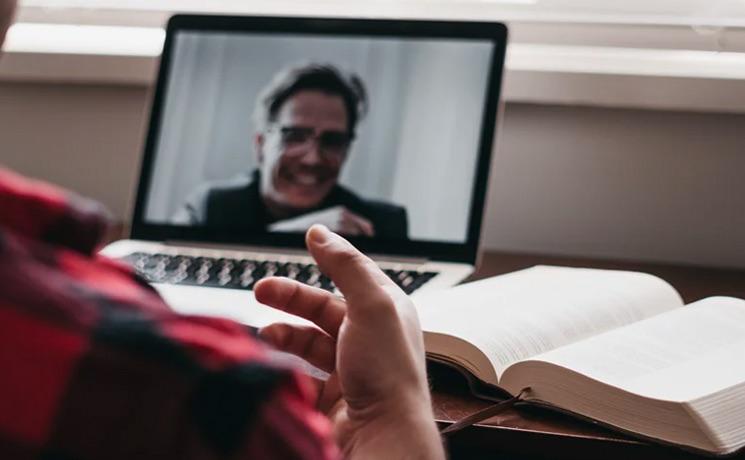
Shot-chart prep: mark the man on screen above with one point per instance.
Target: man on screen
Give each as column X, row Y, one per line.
column 306, row 120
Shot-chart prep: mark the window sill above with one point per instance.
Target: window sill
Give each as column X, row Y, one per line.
column 686, row 80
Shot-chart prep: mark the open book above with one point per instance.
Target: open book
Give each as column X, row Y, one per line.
column 617, row 347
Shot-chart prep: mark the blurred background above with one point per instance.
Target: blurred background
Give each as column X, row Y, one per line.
column 623, row 134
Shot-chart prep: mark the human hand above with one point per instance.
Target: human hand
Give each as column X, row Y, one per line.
column 338, row 219
column 370, row 342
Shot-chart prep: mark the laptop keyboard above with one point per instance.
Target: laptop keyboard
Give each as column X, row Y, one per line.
column 244, row 273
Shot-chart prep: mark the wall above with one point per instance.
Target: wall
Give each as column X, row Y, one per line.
column 663, row 186
column 620, row 183
column 86, row 138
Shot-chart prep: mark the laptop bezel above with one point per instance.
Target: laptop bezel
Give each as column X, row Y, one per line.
column 465, row 252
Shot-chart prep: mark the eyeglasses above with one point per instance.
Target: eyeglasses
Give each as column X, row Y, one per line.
column 332, row 144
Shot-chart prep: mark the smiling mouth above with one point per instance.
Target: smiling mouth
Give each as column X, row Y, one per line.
column 305, row 179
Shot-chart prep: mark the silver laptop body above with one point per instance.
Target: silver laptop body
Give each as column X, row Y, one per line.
column 410, row 180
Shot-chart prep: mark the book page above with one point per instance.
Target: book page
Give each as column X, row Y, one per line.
column 526, row 313
column 682, row 356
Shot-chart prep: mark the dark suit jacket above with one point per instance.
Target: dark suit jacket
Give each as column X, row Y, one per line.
column 237, row 204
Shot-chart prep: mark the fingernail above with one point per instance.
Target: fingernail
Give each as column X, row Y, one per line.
column 319, row 234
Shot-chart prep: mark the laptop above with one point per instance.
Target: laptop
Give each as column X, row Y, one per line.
column 261, row 126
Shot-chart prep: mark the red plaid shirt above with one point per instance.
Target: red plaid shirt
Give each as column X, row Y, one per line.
column 94, row 365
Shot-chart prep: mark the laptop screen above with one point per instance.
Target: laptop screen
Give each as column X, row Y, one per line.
column 265, row 132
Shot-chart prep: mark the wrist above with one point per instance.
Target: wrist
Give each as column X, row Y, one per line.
column 408, row 432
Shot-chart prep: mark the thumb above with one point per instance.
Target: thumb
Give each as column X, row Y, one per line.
column 360, row 280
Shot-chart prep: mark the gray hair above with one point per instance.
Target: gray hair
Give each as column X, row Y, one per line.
column 325, row 78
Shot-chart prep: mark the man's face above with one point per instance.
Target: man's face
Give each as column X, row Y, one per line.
column 301, row 153
column 7, row 7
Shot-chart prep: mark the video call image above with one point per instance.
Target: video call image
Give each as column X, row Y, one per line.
column 373, row 137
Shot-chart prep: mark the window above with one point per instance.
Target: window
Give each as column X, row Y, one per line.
column 709, row 25
column 684, row 53
column 689, row 12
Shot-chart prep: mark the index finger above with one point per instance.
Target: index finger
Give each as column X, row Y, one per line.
column 361, row 281
column 316, row 305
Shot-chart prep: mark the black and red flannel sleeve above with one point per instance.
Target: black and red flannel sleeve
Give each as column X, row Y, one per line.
column 93, row 364
column 86, row 376
column 41, row 211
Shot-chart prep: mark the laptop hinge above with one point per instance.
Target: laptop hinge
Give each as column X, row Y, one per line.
column 400, row 260
column 289, row 251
